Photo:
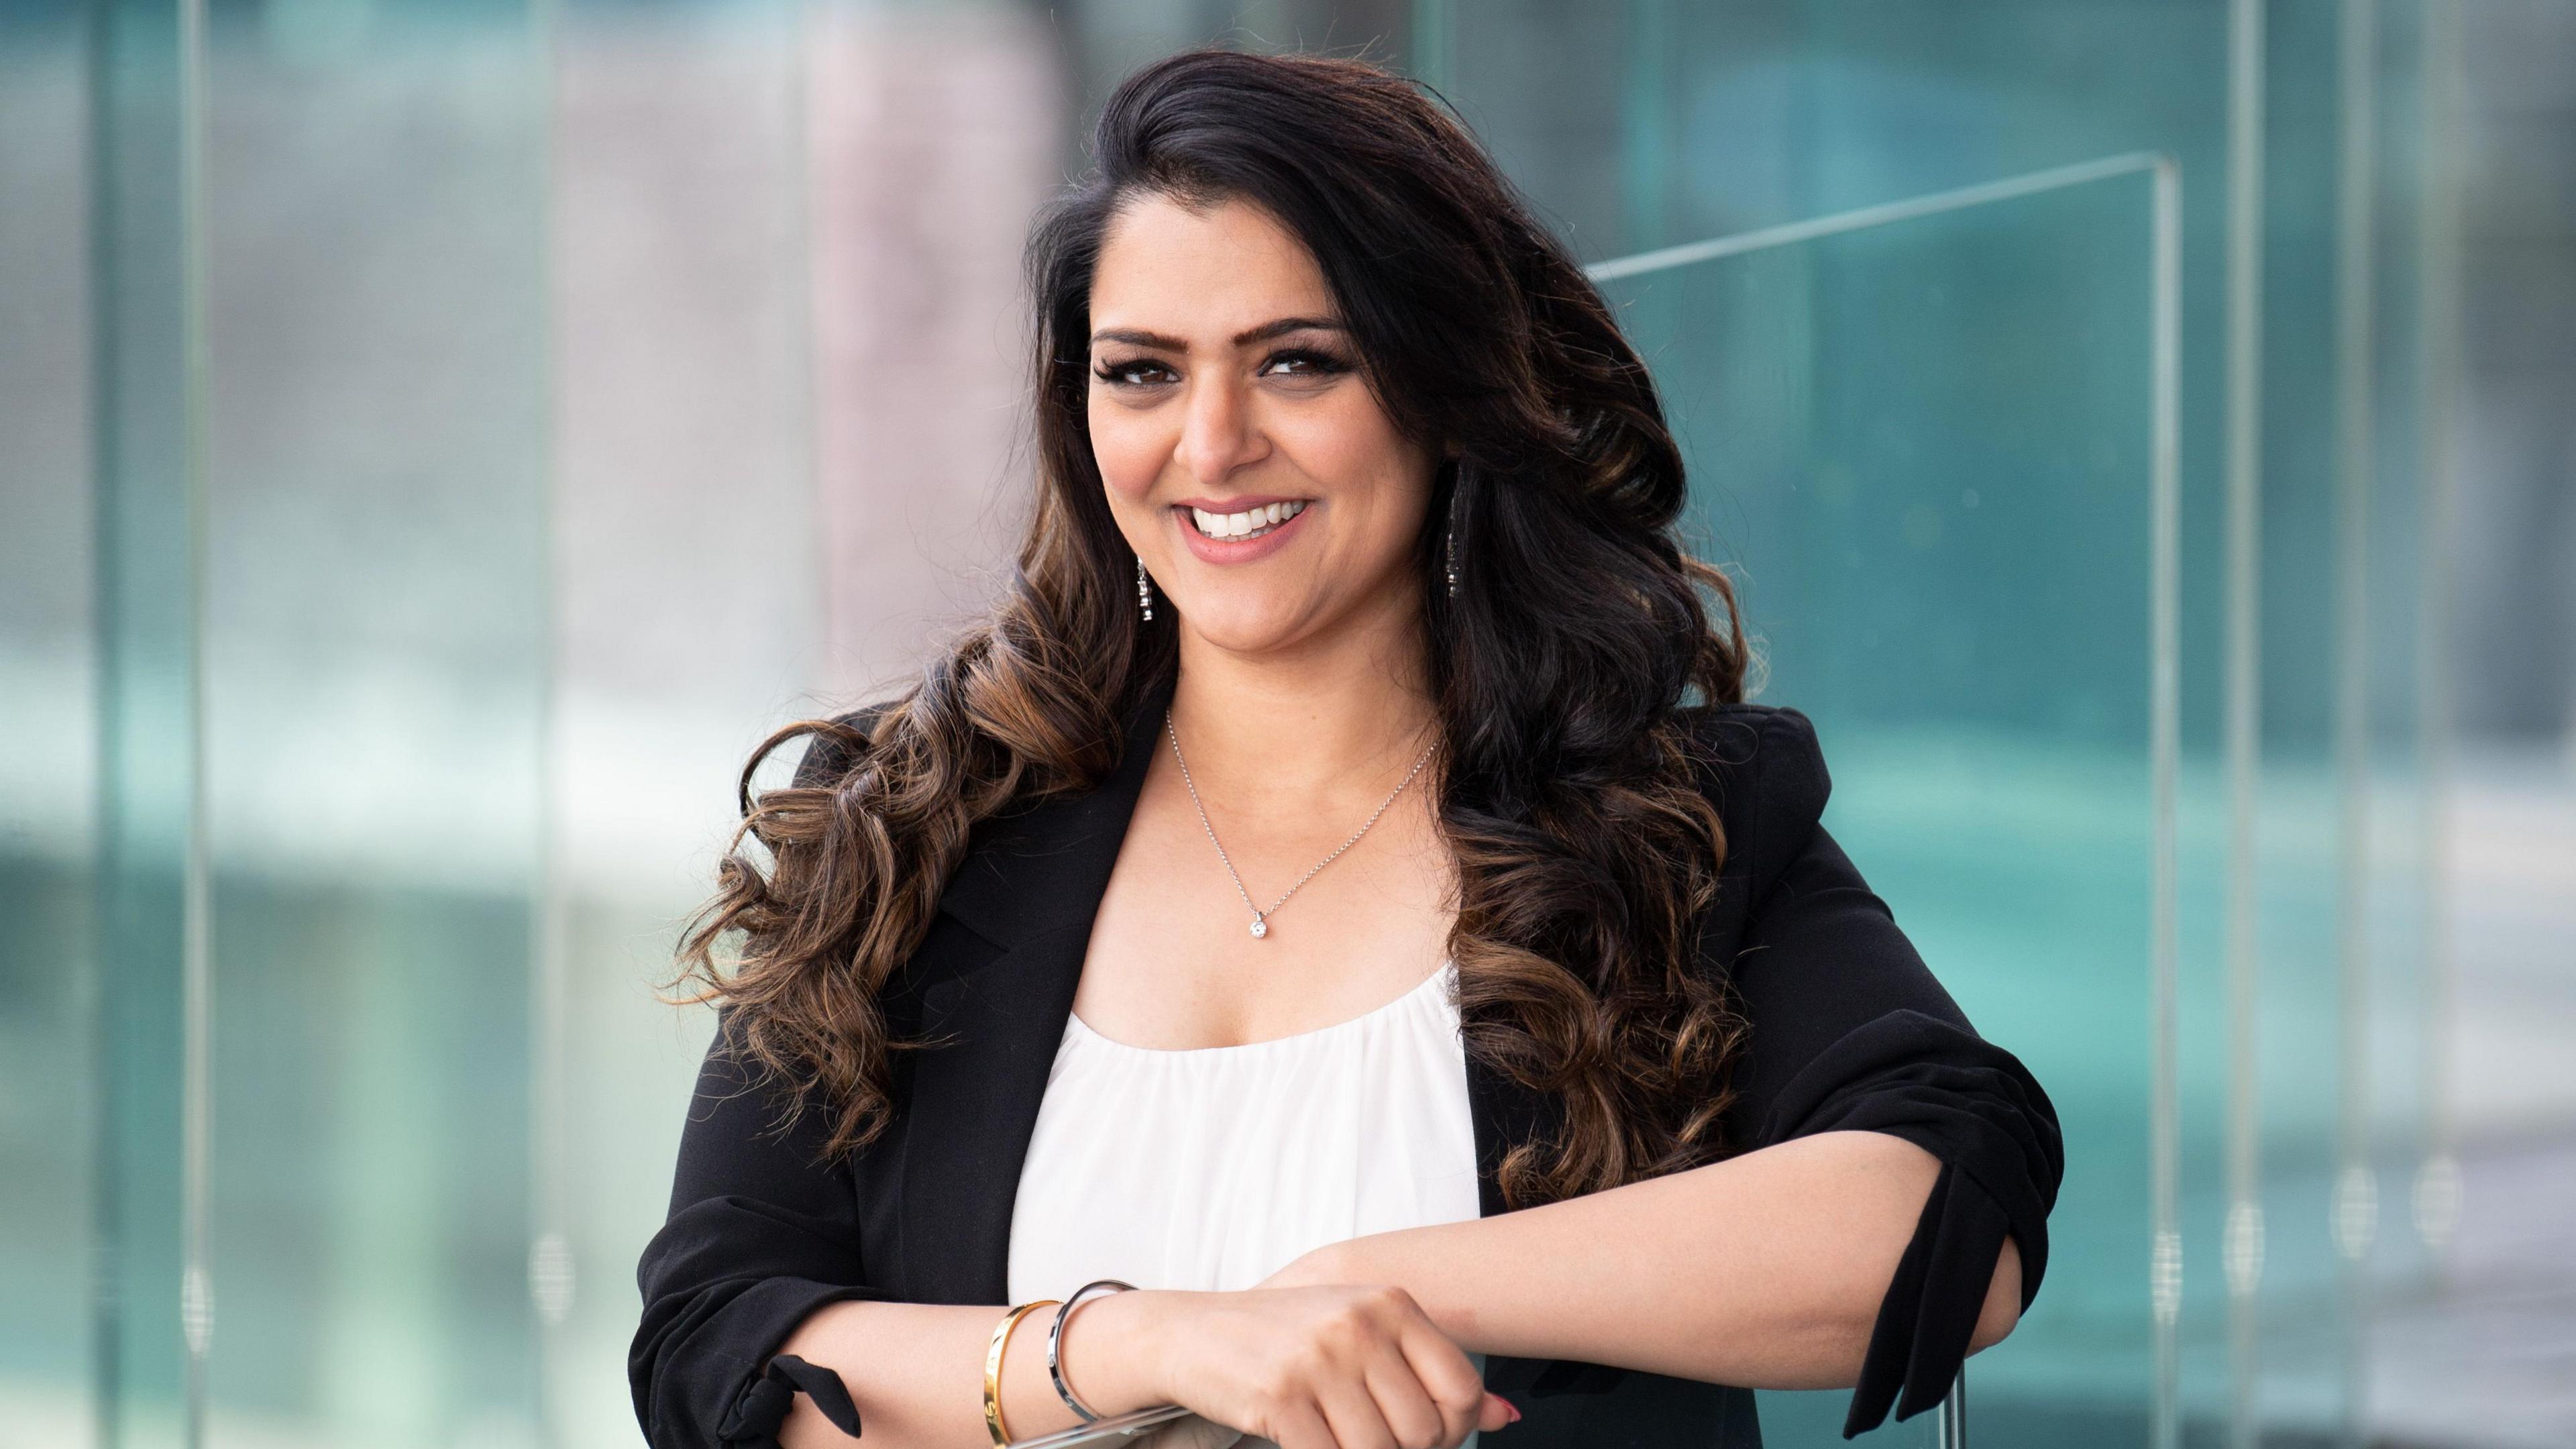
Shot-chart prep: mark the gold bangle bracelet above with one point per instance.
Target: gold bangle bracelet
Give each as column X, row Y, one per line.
column 993, row 1367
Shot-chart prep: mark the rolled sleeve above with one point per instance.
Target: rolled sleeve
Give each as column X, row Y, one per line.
column 1850, row 1032
column 760, row 1235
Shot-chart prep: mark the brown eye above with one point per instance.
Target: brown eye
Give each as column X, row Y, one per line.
column 1309, row 362
column 1134, row 372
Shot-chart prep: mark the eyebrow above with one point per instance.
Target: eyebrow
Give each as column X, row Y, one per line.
column 1263, row 333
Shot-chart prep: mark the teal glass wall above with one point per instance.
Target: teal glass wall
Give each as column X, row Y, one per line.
column 1885, row 416
column 438, row 440
column 2231, row 954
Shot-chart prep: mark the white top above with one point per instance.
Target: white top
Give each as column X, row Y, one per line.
column 1213, row 1168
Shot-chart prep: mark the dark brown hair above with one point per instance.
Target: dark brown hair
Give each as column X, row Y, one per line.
column 1570, row 794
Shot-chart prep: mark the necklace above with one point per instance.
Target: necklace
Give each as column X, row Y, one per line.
column 1260, row 917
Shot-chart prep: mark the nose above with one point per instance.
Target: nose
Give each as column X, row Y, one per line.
column 1219, row 431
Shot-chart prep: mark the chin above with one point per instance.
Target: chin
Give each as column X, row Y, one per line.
column 1247, row 626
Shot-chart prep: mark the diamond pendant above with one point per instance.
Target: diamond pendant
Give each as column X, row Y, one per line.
column 1260, row 927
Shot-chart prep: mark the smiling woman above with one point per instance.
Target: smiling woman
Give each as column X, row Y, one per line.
column 1582, row 1084
column 1221, row 441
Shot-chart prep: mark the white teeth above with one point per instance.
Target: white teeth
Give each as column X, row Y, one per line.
column 1248, row 523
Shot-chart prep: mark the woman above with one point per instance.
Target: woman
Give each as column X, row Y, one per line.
column 1338, row 891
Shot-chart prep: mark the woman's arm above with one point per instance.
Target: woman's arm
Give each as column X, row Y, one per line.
column 915, row 1372
column 760, row 1263
column 1886, row 1207
column 1886, row 1213
column 1764, row 1271
column 1323, row 1367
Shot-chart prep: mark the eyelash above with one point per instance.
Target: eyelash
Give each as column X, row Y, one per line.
column 1322, row 364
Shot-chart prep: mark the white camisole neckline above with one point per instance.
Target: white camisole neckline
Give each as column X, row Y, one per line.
column 1212, row 1168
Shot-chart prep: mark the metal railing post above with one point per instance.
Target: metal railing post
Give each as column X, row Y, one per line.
column 1950, row 1430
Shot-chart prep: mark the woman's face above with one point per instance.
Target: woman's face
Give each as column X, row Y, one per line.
column 1247, row 459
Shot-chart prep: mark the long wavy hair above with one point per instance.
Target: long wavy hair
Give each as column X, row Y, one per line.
column 1579, row 635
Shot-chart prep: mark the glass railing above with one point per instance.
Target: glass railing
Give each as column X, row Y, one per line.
column 1929, row 439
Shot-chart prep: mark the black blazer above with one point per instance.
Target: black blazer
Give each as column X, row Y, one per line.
column 1846, row 1030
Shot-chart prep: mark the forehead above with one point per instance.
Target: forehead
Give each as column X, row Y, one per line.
column 1207, row 271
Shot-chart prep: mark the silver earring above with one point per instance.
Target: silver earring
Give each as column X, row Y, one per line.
column 1453, row 544
column 1144, row 592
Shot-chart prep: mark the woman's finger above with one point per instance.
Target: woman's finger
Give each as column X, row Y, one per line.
column 1352, row 1411
column 1411, row 1414
column 1300, row 1426
column 1447, row 1375
column 1497, row 1413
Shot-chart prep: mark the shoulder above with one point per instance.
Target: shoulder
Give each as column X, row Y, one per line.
column 1762, row 766
column 1763, row 769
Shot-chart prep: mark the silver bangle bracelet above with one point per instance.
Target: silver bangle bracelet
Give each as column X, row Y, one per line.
column 1102, row 1288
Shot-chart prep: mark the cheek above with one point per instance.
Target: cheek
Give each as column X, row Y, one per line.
column 1127, row 450
column 1362, row 452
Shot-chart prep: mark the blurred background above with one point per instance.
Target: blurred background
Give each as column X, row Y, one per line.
column 439, row 438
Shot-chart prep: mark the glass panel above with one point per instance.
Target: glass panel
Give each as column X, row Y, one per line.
column 1925, row 448
column 49, row 672
column 377, row 576
column 135, row 221
column 2338, row 869
column 1767, row 111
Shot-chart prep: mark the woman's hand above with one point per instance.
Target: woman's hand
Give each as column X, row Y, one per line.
column 1328, row 1366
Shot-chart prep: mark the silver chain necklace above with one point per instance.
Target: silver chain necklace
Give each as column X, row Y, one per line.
column 1260, row 917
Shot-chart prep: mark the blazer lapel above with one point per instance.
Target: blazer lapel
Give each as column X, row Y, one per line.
column 1031, row 885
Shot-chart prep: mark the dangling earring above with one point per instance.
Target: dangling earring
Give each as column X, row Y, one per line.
column 1144, row 592
column 1453, row 543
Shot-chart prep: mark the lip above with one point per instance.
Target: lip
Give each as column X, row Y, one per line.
column 1244, row 504
column 1236, row 550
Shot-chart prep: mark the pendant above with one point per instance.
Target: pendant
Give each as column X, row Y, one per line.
column 1260, row 927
